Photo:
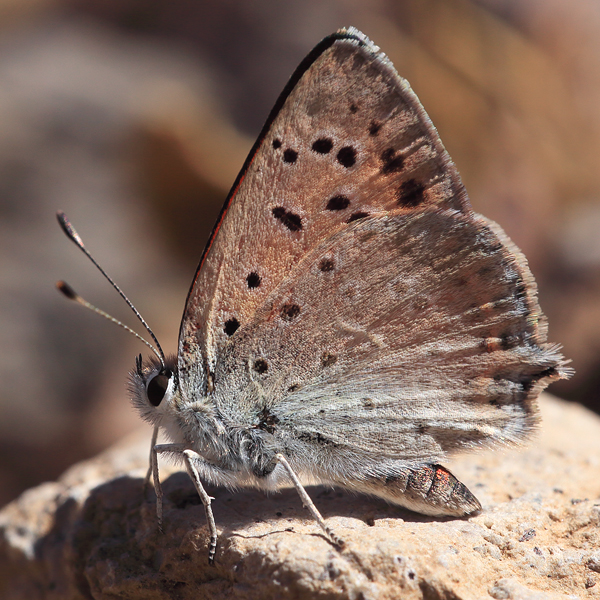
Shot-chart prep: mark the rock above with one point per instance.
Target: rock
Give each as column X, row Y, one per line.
column 93, row 534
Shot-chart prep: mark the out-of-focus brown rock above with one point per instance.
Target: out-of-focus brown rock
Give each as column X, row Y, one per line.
column 92, row 534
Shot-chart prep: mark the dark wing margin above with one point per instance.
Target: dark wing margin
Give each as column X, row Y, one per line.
column 309, row 59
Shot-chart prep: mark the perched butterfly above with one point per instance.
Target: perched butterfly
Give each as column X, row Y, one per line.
column 352, row 320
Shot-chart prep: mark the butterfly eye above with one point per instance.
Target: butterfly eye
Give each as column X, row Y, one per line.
column 157, row 387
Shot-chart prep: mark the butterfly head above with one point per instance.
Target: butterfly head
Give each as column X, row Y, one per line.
column 153, row 388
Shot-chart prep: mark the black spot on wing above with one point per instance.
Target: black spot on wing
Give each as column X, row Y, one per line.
column 260, row 366
column 253, row 280
column 290, row 156
column 410, row 193
column 338, row 203
column 326, row 265
column 276, row 144
column 391, row 162
column 347, row 156
column 231, row 326
column 374, row 128
column 357, row 215
column 291, row 220
column 322, row 146
column 289, row 311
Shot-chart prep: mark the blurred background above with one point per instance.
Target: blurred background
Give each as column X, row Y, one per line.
column 134, row 116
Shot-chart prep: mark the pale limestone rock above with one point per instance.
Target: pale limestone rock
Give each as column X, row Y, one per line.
column 92, row 534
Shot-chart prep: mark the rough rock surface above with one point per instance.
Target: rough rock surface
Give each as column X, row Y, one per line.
column 93, row 535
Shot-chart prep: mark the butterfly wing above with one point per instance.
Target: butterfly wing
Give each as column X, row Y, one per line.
column 347, row 138
column 405, row 335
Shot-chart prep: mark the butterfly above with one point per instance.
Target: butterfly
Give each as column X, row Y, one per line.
column 352, row 321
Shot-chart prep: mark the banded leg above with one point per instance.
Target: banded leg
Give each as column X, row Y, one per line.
column 308, row 503
column 189, row 456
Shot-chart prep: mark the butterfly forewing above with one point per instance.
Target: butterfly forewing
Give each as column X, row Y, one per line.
column 346, row 140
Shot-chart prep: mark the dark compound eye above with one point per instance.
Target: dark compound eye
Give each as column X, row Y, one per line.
column 157, row 387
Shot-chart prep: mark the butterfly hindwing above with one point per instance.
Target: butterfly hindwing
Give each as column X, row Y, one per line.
column 406, row 335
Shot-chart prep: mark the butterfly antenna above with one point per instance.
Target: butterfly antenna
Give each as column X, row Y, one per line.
column 70, row 293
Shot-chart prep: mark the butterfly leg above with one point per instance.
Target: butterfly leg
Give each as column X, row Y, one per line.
column 308, row 503
column 429, row 489
column 156, row 450
column 189, row 456
column 151, row 462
